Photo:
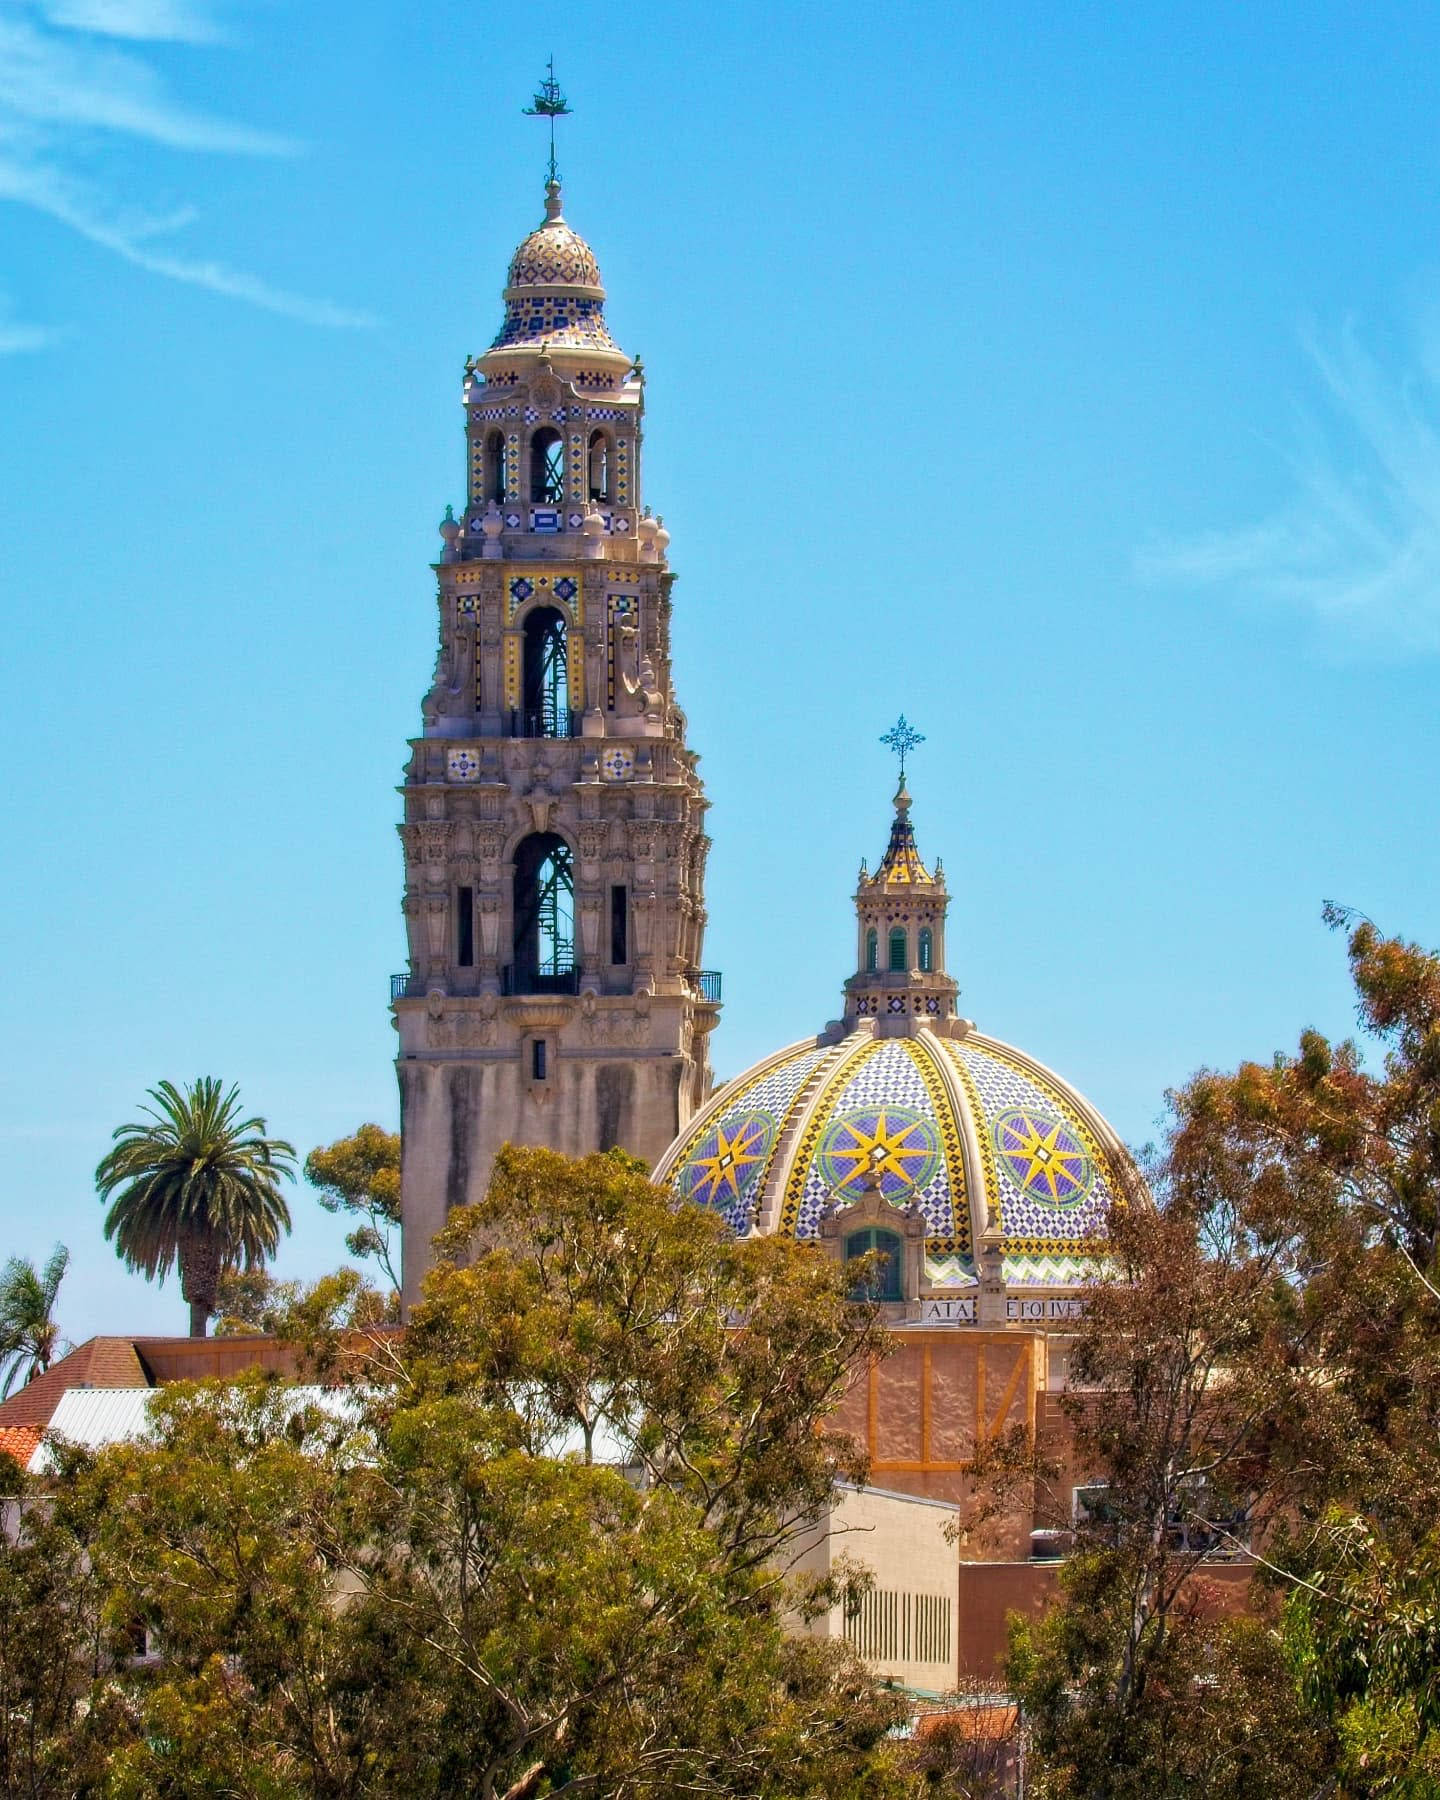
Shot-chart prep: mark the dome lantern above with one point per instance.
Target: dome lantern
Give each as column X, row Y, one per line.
column 900, row 980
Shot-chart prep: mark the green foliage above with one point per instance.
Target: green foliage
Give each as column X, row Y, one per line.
column 194, row 1183
column 1264, row 1363
column 51, row 1641
column 28, row 1331
column 318, row 1318
column 360, row 1175
column 1208, row 1710
column 534, row 1546
column 251, row 1301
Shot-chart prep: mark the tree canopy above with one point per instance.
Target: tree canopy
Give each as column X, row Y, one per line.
column 360, row 1175
column 196, row 1184
column 537, row 1544
column 1262, row 1370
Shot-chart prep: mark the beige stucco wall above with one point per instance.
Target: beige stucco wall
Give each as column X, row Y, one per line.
column 905, row 1626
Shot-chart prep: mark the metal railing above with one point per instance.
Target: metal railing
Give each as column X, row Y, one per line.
column 399, row 986
column 537, row 725
column 708, row 981
column 521, row 978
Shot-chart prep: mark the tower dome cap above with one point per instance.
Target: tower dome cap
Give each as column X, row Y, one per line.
column 554, row 298
column 554, row 255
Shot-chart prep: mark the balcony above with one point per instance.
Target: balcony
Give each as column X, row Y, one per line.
column 522, row 978
column 708, row 982
column 543, row 725
column 399, row 987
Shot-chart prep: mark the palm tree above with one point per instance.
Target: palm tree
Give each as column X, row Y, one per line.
column 198, row 1186
column 28, row 1332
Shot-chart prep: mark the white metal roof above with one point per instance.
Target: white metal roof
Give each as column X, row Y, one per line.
column 93, row 1418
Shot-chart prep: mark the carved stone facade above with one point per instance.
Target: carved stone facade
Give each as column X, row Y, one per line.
column 553, row 826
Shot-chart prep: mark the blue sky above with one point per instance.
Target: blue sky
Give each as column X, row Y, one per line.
column 1063, row 377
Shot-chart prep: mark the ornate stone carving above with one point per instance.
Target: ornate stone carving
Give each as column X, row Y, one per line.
column 489, row 910
column 603, row 1022
column 593, row 841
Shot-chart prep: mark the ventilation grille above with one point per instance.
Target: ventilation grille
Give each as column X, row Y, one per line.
column 885, row 1626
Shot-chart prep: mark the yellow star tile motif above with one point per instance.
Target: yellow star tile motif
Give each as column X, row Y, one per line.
column 1040, row 1161
column 723, row 1169
column 900, row 1150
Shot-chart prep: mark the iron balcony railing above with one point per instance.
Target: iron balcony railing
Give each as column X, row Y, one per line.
column 540, row 725
column 525, row 978
column 708, row 982
column 399, row 986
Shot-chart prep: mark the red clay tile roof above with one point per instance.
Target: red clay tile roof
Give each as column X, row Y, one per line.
column 19, row 1441
column 104, row 1362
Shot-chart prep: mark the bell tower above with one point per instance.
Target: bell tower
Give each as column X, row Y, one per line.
column 553, row 817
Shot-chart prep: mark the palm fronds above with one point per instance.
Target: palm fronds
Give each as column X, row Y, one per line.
column 28, row 1331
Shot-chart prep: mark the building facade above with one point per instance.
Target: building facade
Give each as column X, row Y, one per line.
column 553, row 823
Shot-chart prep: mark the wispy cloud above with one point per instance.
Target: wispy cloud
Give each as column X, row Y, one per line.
column 152, row 21
column 1358, row 544
column 16, row 338
column 64, row 96
column 69, row 82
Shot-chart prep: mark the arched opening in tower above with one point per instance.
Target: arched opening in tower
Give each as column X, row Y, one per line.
column 495, row 467
column 600, row 459
column 547, row 467
column 544, row 916
column 545, row 697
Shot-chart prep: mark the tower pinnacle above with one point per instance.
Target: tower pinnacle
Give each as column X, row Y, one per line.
column 550, row 104
column 902, row 738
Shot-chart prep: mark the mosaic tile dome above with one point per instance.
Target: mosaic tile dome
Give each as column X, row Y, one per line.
column 554, row 297
column 971, row 1130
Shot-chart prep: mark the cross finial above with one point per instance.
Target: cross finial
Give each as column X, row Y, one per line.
column 902, row 739
column 549, row 104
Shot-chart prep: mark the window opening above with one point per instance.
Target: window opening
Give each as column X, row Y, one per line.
column 495, row 464
column 886, row 1281
column 599, row 466
column 927, row 950
column 872, row 950
column 537, row 1059
column 619, row 923
column 546, row 685
column 465, row 928
column 899, row 950
column 547, row 467
column 544, row 916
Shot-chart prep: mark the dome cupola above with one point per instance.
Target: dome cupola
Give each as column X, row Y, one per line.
column 983, row 1178
column 900, row 977
column 554, row 298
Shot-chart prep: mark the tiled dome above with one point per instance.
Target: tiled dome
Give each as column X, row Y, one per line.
column 554, row 298
column 973, row 1131
column 554, row 256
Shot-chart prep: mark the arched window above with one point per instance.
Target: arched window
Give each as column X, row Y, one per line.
column 899, row 949
column 545, row 687
column 872, row 950
column 600, row 460
column 547, row 466
column 887, row 1281
column 495, row 467
column 544, row 916
column 927, row 950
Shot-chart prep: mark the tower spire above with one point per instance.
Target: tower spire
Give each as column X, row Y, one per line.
column 550, row 104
